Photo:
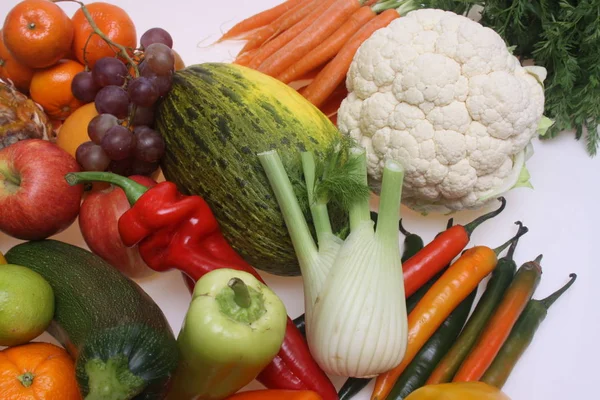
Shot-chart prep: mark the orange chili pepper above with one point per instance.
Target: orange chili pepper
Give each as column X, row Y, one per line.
column 444, row 296
column 501, row 323
column 276, row 395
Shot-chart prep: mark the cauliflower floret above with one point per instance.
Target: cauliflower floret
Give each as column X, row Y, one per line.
column 443, row 95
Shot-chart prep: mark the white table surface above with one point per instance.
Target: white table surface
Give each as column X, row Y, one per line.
column 561, row 213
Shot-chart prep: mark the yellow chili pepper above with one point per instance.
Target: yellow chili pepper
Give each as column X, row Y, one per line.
column 458, row 391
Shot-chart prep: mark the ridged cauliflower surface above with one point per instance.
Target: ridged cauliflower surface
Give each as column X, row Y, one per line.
column 444, row 96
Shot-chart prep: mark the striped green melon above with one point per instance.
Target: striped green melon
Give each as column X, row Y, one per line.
column 215, row 119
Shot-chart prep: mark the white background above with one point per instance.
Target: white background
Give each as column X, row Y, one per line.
column 560, row 212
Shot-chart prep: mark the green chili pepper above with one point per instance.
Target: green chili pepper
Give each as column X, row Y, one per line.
column 353, row 386
column 230, row 313
column 501, row 278
column 412, row 243
column 416, row 373
column 520, row 337
column 301, row 325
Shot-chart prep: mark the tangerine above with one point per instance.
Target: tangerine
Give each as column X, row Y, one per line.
column 114, row 23
column 51, row 89
column 73, row 131
column 38, row 371
column 37, row 33
column 10, row 69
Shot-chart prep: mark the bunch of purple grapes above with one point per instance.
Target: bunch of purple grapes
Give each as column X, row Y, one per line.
column 122, row 138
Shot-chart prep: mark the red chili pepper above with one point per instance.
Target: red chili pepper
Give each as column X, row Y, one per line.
column 423, row 266
column 175, row 231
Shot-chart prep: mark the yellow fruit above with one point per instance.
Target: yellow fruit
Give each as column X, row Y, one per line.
column 26, row 305
column 2, row 259
column 73, row 131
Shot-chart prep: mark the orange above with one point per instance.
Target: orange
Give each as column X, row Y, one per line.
column 51, row 89
column 73, row 131
column 38, row 33
column 179, row 64
column 37, row 371
column 113, row 21
column 11, row 69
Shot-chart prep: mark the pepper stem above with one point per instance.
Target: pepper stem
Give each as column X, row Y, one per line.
column 241, row 294
column 538, row 259
column 402, row 230
column 450, row 223
column 513, row 246
column 26, row 379
column 522, row 230
column 548, row 301
column 132, row 189
column 470, row 227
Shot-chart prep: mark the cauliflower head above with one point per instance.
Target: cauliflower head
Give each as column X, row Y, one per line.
column 445, row 97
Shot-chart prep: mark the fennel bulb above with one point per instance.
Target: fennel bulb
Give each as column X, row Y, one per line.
column 356, row 319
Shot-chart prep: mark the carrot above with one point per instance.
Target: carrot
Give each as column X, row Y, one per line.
column 245, row 58
column 258, row 20
column 331, row 106
column 329, row 47
column 335, row 71
column 285, row 37
column 501, row 323
column 320, row 29
column 285, row 21
column 440, row 300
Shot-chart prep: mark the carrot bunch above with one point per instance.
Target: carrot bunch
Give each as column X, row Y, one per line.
column 310, row 44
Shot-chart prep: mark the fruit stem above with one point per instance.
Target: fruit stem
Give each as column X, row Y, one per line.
column 122, row 49
column 132, row 189
column 26, row 379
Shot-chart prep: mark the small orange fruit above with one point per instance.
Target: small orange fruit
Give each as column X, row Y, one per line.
column 113, row 21
column 51, row 89
column 11, row 69
column 38, row 371
column 38, row 33
column 179, row 64
column 73, row 131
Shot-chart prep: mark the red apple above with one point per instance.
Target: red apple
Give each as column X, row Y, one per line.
column 98, row 221
column 35, row 200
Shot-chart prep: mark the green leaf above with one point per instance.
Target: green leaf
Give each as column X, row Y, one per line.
column 544, row 125
column 524, row 178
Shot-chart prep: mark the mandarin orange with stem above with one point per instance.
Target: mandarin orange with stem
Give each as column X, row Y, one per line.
column 37, row 33
column 114, row 23
column 51, row 89
column 37, row 371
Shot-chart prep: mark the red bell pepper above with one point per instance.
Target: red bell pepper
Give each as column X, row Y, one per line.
column 175, row 231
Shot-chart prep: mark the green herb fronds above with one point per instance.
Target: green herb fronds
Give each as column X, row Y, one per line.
column 339, row 181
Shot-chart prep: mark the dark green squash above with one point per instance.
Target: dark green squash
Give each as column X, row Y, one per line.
column 122, row 343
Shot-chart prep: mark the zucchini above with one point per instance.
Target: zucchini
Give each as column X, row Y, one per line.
column 214, row 121
column 122, row 343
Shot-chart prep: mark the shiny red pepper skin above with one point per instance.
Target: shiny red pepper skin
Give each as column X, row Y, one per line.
column 174, row 231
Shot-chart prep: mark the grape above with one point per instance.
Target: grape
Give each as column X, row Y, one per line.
column 84, row 87
column 99, row 125
column 162, row 82
column 112, row 100
column 150, row 146
column 118, row 142
column 121, row 167
column 160, row 58
column 142, row 116
column 140, row 167
column 156, row 35
column 91, row 157
column 109, row 71
column 142, row 91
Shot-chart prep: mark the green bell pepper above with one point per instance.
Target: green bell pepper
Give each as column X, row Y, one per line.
column 234, row 327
